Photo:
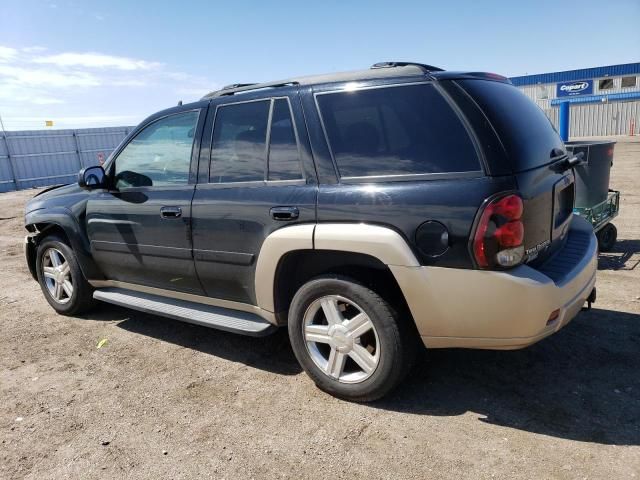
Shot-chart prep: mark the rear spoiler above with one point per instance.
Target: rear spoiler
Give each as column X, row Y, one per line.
column 446, row 75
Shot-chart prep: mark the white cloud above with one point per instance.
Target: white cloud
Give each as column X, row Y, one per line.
column 44, row 77
column 14, row 97
column 129, row 82
column 34, row 49
column 63, row 86
column 7, row 54
column 46, row 101
column 96, row 60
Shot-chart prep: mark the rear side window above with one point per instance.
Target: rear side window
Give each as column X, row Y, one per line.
column 398, row 130
column 238, row 148
column 284, row 159
column 526, row 133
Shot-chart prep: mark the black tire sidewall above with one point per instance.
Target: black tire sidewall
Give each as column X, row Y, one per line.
column 607, row 237
column 81, row 289
column 392, row 365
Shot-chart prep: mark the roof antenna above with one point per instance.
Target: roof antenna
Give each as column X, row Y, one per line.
column 179, row 103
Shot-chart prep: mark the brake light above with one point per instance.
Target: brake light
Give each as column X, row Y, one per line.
column 499, row 235
column 510, row 234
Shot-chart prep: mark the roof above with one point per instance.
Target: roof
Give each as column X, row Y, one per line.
column 380, row 70
column 371, row 73
column 581, row 74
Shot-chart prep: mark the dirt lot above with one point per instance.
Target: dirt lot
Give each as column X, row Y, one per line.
column 164, row 399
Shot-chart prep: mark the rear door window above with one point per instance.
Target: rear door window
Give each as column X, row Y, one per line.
column 400, row 130
column 526, row 133
column 284, row 157
column 238, row 147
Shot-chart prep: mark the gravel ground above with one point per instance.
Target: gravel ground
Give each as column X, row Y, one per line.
column 164, row 399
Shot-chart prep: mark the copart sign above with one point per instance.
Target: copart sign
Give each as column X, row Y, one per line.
column 569, row 89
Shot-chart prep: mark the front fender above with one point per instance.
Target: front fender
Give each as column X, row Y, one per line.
column 42, row 221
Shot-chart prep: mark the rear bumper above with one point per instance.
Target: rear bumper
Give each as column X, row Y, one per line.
column 501, row 310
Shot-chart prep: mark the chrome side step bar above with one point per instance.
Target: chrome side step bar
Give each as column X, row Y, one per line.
column 235, row 321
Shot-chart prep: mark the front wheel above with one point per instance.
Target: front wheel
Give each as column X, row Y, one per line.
column 348, row 339
column 61, row 279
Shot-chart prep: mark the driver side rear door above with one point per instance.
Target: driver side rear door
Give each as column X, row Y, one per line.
column 140, row 227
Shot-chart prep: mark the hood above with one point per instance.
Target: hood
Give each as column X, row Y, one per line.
column 48, row 189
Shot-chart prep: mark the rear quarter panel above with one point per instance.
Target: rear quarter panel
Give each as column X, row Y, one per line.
column 404, row 206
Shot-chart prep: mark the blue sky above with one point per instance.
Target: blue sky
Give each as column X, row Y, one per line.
column 87, row 63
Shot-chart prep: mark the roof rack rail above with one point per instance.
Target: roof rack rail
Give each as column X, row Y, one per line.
column 247, row 87
column 425, row 67
column 237, row 85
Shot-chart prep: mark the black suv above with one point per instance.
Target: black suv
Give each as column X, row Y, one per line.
column 372, row 212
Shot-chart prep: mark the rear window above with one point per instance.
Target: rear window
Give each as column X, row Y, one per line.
column 525, row 131
column 395, row 131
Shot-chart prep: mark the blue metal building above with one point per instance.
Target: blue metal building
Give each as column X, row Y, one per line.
column 605, row 101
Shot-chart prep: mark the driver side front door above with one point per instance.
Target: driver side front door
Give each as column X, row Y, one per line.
column 140, row 228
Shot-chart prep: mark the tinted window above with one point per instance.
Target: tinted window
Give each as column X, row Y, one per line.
column 239, row 142
column 159, row 155
column 394, row 131
column 525, row 131
column 284, row 161
column 606, row 84
column 628, row 82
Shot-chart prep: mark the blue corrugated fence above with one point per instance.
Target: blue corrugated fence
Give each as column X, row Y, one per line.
column 37, row 158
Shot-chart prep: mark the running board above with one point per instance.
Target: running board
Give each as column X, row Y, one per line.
column 226, row 319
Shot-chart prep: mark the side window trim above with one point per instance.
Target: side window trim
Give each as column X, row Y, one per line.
column 195, row 147
column 413, row 177
column 267, row 144
column 408, row 176
column 206, row 180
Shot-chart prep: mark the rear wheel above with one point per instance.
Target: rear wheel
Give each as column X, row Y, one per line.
column 607, row 237
column 61, row 279
column 348, row 339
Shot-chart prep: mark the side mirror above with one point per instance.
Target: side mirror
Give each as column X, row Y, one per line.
column 91, row 177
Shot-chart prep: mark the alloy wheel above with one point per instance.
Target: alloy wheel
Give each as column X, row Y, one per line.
column 57, row 275
column 341, row 339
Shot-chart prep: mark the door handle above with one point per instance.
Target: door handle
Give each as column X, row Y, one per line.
column 284, row 213
column 170, row 212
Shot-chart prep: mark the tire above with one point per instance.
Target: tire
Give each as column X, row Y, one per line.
column 52, row 255
column 607, row 237
column 332, row 348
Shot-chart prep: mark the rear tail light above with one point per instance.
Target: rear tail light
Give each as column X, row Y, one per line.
column 499, row 234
